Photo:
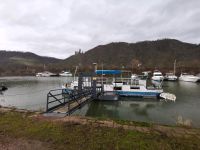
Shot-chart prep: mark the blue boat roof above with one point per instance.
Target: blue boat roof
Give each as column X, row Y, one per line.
column 108, row 72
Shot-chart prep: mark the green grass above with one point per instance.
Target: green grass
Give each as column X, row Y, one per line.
column 87, row 137
column 126, row 122
column 133, row 123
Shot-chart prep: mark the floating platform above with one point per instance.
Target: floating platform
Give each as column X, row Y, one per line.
column 108, row 96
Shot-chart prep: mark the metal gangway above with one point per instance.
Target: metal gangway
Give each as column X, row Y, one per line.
column 69, row 100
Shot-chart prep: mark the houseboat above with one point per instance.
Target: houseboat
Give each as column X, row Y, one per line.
column 131, row 87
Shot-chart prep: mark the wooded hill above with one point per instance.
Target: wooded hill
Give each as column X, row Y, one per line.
column 159, row 54
column 147, row 55
column 23, row 63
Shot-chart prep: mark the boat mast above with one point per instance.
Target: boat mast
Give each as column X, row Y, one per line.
column 175, row 67
column 75, row 72
column 44, row 67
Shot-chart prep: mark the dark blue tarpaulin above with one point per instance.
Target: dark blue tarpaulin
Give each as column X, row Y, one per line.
column 108, row 72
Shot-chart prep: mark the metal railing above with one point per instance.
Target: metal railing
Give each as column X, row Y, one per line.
column 60, row 97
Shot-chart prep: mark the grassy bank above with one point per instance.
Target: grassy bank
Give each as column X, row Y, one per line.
column 73, row 135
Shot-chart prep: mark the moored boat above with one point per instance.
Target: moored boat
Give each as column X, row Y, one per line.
column 45, row 74
column 136, row 88
column 170, row 77
column 130, row 87
column 157, row 76
column 168, row 96
column 189, row 77
column 146, row 74
column 134, row 76
column 65, row 74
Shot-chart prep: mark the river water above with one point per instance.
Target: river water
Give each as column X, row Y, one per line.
column 31, row 93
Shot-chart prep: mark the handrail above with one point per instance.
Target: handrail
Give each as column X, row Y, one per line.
column 67, row 98
column 55, row 99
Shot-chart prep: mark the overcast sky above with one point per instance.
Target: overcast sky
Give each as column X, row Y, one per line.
column 59, row 27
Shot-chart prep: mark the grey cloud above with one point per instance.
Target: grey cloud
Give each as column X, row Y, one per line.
column 59, row 27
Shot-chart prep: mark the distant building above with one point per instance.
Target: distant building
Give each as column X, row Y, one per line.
column 78, row 52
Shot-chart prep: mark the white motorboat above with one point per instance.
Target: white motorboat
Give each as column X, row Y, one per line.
column 170, row 77
column 189, row 78
column 146, row 74
column 134, row 76
column 65, row 74
column 45, row 74
column 157, row 76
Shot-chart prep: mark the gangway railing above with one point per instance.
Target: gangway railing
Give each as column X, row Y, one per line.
column 61, row 97
column 75, row 98
column 55, row 99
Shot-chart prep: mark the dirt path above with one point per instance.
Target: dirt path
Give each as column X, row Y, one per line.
column 8, row 143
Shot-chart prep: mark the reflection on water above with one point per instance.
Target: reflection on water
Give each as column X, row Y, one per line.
column 124, row 109
column 28, row 92
column 151, row 110
column 31, row 92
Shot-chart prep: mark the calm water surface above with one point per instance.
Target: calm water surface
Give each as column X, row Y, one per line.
column 31, row 92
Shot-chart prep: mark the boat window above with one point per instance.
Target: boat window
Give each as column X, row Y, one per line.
column 125, row 83
column 118, row 82
column 134, row 87
column 135, row 82
column 117, row 88
column 76, row 87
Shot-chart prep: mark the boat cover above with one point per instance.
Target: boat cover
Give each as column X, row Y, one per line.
column 108, row 72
